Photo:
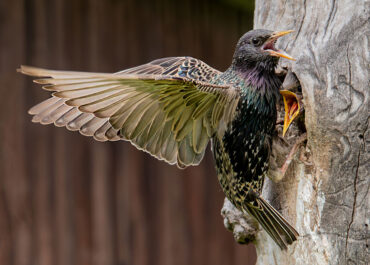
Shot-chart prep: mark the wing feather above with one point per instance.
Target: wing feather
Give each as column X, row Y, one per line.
column 103, row 98
column 89, row 128
column 46, row 112
column 56, row 114
column 43, row 105
column 79, row 121
column 88, row 91
column 101, row 133
column 67, row 117
column 169, row 107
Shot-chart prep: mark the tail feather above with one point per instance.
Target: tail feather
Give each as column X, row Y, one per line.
column 268, row 226
column 288, row 230
column 274, row 223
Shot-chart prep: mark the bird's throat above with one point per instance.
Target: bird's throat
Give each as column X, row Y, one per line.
column 260, row 80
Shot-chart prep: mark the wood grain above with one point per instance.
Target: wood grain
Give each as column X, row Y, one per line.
column 326, row 191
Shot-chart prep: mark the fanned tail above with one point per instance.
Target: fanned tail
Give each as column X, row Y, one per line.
column 274, row 223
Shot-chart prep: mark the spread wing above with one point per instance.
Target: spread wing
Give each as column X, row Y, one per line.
column 168, row 107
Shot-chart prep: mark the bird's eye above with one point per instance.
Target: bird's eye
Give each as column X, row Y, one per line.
column 256, row 42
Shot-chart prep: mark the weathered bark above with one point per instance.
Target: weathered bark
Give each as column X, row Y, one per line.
column 325, row 192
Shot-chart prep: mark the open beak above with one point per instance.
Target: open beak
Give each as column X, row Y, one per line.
column 269, row 45
column 291, row 106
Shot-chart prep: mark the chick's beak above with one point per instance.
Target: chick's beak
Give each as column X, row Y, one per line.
column 291, row 106
column 269, row 45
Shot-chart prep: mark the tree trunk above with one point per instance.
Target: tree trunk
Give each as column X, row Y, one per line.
column 325, row 192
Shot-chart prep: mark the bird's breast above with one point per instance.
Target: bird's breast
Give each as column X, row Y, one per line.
column 242, row 153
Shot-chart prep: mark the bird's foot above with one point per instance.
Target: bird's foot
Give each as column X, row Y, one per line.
column 292, row 153
column 283, row 153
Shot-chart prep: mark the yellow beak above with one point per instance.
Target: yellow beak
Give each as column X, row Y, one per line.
column 278, row 34
column 279, row 53
column 291, row 106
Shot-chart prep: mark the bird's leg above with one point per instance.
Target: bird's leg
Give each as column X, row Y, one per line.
column 282, row 156
column 292, row 152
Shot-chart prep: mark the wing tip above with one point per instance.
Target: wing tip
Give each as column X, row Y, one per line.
column 30, row 70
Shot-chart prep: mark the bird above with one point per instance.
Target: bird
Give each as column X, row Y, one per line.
column 173, row 107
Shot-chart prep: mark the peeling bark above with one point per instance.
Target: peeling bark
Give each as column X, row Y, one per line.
column 325, row 191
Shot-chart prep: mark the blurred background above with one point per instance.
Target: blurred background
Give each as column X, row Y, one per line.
column 66, row 199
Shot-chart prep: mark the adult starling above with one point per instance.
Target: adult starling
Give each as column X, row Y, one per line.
column 172, row 107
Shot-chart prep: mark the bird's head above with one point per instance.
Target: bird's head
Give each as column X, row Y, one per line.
column 256, row 48
column 256, row 54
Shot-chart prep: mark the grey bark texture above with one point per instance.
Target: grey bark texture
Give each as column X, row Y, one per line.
column 325, row 192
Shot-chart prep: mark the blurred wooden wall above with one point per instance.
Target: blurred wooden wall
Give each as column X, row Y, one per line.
column 65, row 199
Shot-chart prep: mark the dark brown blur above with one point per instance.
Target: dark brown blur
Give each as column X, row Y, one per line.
column 66, row 199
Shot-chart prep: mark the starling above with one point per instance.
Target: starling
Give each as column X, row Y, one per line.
column 172, row 107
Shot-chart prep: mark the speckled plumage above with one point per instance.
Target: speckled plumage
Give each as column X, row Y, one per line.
column 172, row 107
column 245, row 144
column 242, row 151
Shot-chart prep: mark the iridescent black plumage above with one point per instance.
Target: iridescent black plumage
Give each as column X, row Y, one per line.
column 242, row 152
